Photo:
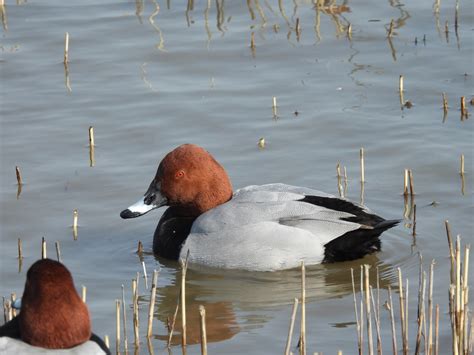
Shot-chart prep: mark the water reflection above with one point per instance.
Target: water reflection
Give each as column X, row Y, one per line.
column 238, row 300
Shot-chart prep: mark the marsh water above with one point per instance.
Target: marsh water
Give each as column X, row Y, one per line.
column 151, row 75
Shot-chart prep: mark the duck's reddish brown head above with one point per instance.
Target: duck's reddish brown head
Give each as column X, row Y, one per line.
column 52, row 315
column 188, row 178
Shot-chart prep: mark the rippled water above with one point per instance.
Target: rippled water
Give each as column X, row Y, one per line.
column 150, row 76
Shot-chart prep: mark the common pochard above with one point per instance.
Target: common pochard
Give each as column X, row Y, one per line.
column 53, row 319
column 265, row 228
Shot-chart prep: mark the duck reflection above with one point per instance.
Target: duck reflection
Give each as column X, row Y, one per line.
column 238, row 300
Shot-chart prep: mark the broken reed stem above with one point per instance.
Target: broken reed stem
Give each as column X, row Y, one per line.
column 43, row 248
column 66, row 48
column 19, row 180
column 377, row 322
column 252, row 40
column 405, row 183
column 406, row 316
column 368, row 309
column 107, row 341
column 463, row 108
column 58, row 251
column 436, row 346
column 303, row 310
column 361, row 335
column 125, row 338
column 184, row 266
column 451, row 251
column 117, row 316
column 413, row 233
column 362, row 166
column 152, row 303
column 175, row 315
column 139, row 248
column 430, row 309
column 400, row 84
column 135, row 312
column 84, row 293
column 20, row 249
column 75, row 216
column 445, row 103
column 13, row 298
column 402, row 310
column 202, row 315
column 390, row 29
column 392, row 321
column 359, row 342
column 461, row 171
column 412, row 188
column 292, row 325
column 145, row 276
column 91, row 136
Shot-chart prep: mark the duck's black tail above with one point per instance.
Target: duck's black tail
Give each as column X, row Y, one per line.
column 355, row 244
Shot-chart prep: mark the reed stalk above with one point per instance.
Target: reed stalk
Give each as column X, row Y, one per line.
column 43, row 248
column 202, row 315
column 368, row 309
column 91, row 137
column 124, row 311
column 292, row 325
column 20, row 249
column 118, row 332
column 84, row 293
column 362, row 165
column 152, row 303
column 58, row 251
column 303, row 310
column 392, row 321
column 359, row 341
column 66, row 48
column 19, row 180
column 136, row 322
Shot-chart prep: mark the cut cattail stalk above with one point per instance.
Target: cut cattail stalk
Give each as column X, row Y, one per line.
column 362, row 167
column 405, row 183
column 58, row 251
column 135, row 312
column 140, row 248
column 349, row 31
column 152, row 303
column 145, row 276
column 463, row 108
column 274, row 106
column 184, row 266
column 359, row 342
column 377, row 322
column 252, row 40
column 400, row 84
column 402, row 310
column 445, row 103
column 19, row 180
column 392, row 321
column 20, row 249
column 202, row 315
column 436, row 346
column 292, row 325
column 298, row 29
column 84, row 293
column 124, row 311
column 462, row 165
column 261, row 143
column 91, row 156
column 66, row 48
column 412, row 188
column 303, row 310
column 390, row 29
column 91, row 136
column 43, row 248
column 117, row 315
column 368, row 309
column 413, row 232
column 107, row 341
column 75, row 216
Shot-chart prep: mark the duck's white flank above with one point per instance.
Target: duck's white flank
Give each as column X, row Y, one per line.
column 265, row 228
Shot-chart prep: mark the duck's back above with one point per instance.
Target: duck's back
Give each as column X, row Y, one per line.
column 266, row 227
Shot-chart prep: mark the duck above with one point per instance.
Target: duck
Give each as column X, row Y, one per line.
column 257, row 228
column 53, row 319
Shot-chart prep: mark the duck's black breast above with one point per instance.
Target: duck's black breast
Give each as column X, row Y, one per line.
column 171, row 232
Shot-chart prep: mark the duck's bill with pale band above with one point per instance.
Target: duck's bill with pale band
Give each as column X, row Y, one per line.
column 152, row 199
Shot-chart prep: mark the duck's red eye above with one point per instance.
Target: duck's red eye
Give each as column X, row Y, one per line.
column 179, row 174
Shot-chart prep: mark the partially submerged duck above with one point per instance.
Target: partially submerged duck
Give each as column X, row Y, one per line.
column 53, row 319
column 265, row 228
